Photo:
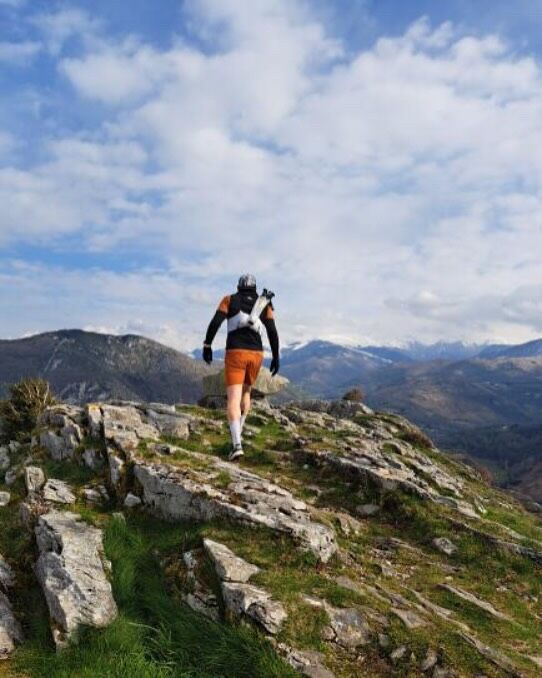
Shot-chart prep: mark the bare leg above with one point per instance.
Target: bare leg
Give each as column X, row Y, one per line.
column 245, row 403
column 234, row 401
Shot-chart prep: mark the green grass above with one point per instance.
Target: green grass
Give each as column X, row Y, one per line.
column 154, row 635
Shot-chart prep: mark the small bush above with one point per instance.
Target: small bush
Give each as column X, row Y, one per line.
column 417, row 438
column 354, row 395
column 26, row 401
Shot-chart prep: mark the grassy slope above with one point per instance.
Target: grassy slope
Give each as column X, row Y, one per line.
column 159, row 636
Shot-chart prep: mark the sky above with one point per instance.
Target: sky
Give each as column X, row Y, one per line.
column 375, row 162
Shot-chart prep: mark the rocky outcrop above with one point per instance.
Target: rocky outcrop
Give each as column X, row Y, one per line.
column 347, row 626
column 197, row 595
column 245, row 600
column 34, row 479
column 70, row 569
column 58, row 492
column 474, row 600
column 228, row 566
column 344, row 460
column 188, row 494
column 10, row 630
column 241, row 599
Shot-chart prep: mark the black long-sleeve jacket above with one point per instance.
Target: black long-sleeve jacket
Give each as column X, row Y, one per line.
column 230, row 308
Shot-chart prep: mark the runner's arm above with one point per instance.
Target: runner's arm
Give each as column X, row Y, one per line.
column 217, row 320
column 271, row 329
column 214, row 326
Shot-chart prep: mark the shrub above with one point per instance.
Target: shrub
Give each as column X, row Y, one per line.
column 26, row 401
column 417, row 438
column 354, row 395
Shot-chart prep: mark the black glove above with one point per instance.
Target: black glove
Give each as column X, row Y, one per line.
column 274, row 367
column 207, row 354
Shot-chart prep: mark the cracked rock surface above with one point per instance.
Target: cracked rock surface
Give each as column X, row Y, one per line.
column 70, row 569
column 190, row 495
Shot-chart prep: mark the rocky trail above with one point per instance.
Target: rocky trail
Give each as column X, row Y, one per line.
column 344, row 544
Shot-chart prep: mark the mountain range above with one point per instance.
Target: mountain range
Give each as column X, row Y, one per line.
column 86, row 366
column 482, row 400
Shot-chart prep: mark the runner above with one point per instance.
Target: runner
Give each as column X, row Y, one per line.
column 244, row 350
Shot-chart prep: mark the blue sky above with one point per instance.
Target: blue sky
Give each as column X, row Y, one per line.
column 375, row 162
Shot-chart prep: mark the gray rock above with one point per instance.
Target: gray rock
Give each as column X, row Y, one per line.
column 125, row 426
column 347, row 626
column 308, row 663
column 171, row 424
column 350, row 627
column 62, row 415
column 254, row 603
column 398, row 653
column 34, row 479
column 10, row 630
column 132, row 500
column 11, row 476
column 228, row 566
column 116, row 467
column 93, row 458
column 431, row 659
column 409, row 618
column 383, row 640
column 186, row 494
column 161, row 408
column 474, row 600
column 5, row 461
column 5, row 498
column 95, row 495
column 367, row 510
column 494, row 656
column 444, row 545
column 348, row 524
column 70, row 569
column 94, row 419
column 7, row 578
column 14, row 446
column 54, row 444
column 58, row 492
column 199, row 597
column 72, row 435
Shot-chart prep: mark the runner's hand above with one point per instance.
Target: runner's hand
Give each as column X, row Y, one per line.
column 274, row 367
column 208, row 354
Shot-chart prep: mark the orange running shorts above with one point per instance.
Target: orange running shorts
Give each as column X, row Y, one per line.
column 242, row 366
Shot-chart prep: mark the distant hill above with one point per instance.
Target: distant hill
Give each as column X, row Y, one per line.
column 86, row 366
column 531, row 349
column 489, row 407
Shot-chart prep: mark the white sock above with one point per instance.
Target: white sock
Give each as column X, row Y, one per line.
column 243, row 418
column 235, row 430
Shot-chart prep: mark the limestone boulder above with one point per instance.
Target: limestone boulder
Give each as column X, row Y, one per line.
column 187, row 494
column 228, row 566
column 70, row 570
column 58, row 492
column 34, row 479
column 5, row 461
column 10, row 630
column 245, row 600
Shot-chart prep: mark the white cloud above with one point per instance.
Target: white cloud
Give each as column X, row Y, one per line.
column 392, row 193
column 18, row 52
column 57, row 27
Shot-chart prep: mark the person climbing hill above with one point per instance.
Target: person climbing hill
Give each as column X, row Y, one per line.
column 244, row 350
